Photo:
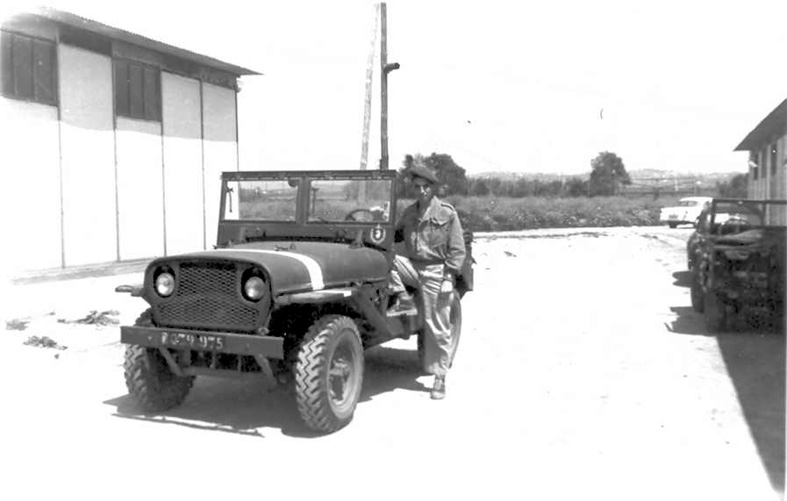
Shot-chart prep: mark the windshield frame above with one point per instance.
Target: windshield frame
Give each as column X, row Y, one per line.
column 303, row 197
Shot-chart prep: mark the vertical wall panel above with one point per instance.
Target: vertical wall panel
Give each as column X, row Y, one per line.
column 182, row 163
column 220, row 146
column 140, row 189
column 778, row 188
column 88, row 156
column 29, row 186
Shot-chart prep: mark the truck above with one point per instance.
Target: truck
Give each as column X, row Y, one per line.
column 294, row 292
column 737, row 259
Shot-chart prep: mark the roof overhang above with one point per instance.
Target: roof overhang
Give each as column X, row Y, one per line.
column 775, row 124
column 75, row 21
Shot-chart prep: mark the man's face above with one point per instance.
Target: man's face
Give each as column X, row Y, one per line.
column 424, row 189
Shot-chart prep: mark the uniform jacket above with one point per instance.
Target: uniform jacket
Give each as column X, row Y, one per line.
column 435, row 236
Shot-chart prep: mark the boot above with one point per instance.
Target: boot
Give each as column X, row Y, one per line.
column 438, row 388
column 404, row 304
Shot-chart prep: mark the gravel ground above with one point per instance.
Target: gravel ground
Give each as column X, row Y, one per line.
column 582, row 373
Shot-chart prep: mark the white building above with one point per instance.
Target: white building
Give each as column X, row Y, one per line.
column 112, row 143
column 767, row 147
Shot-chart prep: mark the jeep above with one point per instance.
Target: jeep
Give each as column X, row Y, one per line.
column 295, row 290
column 737, row 258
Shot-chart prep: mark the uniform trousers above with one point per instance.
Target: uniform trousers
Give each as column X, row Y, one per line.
column 434, row 307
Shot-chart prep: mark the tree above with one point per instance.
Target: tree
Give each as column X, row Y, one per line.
column 449, row 174
column 477, row 187
column 576, row 187
column 607, row 174
column 737, row 187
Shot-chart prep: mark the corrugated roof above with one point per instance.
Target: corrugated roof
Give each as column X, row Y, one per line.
column 774, row 124
column 73, row 20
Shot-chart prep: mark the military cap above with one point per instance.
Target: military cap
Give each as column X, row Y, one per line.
column 423, row 173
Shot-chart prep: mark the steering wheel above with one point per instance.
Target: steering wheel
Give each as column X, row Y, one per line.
column 362, row 216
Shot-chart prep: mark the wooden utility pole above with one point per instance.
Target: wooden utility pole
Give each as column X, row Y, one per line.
column 367, row 110
column 385, row 68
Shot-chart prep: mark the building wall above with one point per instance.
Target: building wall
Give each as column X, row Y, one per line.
column 140, row 189
column 86, row 187
column 87, row 146
column 220, row 149
column 779, row 182
column 30, row 184
column 770, row 185
column 183, row 175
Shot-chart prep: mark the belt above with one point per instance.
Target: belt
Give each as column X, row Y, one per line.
column 427, row 261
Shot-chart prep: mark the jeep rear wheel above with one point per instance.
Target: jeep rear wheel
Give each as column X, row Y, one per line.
column 329, row 373
column 149, row 380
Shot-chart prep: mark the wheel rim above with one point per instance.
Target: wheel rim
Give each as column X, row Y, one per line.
column 343, row 380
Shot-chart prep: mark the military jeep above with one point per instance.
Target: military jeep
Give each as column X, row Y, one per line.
column 295, row 290
column 737, row 258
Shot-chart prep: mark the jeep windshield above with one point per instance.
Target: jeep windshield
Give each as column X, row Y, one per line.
column 306, row 198
column 733, row 216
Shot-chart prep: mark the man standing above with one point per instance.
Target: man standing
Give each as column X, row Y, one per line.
column 435, row 252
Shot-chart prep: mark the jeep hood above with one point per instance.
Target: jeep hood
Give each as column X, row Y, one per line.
column 302, row 266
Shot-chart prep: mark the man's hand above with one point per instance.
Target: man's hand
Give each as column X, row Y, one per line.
column 447, row 286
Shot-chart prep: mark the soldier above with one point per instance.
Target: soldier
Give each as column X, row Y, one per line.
column 435, row 252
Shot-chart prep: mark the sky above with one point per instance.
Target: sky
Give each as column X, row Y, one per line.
column 530, row 87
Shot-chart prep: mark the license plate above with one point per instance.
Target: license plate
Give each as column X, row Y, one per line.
column 192, row 341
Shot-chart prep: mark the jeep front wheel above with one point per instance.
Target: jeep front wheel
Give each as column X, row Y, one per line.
column 149, row 380
column 329, row 373
column 697, row 298
column 715, row 312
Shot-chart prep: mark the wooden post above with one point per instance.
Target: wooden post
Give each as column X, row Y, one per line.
column 367, row 110
column 385, row 68
column 383, row 87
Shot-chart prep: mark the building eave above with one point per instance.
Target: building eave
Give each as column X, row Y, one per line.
column 774, row 125
column 76, row 21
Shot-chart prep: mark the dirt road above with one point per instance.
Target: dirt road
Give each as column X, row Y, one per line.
column 583, row 373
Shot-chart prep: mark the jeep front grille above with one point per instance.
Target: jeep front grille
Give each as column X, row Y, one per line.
column 207, row 296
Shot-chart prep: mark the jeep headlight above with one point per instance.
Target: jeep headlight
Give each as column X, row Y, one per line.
column 165, row 284
column 254, row 288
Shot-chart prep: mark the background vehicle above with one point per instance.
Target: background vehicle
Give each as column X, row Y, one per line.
column 295, row 291
column 687, row 211
column 737, row 259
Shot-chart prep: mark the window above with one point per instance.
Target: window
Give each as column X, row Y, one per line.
column 29, row 68
column 137, row 91
column 753, row 164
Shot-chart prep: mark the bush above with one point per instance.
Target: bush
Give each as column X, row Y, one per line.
column 505, row 214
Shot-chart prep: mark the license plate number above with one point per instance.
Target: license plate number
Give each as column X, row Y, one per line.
column 192, row 341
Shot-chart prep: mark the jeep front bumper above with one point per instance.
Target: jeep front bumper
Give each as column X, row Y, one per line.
column 209, row 341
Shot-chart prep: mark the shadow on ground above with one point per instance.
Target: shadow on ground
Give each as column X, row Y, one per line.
column 682, row 278
column 247, row 407
column 753, row 350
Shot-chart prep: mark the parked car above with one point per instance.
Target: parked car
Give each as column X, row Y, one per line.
column 737, row 257
column 295, row 291
column 687, row 211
